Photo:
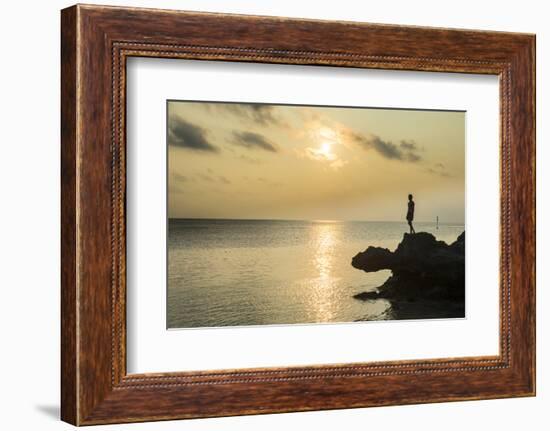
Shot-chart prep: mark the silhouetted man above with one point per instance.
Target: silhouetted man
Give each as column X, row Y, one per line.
column 410, row 213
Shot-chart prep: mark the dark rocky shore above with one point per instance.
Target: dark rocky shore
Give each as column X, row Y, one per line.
column 428, row 276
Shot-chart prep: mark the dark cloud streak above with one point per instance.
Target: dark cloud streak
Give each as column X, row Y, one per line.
column 253, row 140
column 262, row 115
column 439, row 170
column 406, row 151
column 183, row 134
column 408, row 145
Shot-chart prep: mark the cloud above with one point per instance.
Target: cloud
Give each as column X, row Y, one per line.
column 408, row 145
column 183, row 134
column 406, row 151
column 252, row 141
column 177, row 182
column 260, row 114
column 269, row 182
column 323, row 154
column 175, row 189
column 179, row 177
column 412, row 157
column 337, row 164
column 319, row 154
column 439, row 170
column 251, row 160
column 205, row 177
column 209, row 177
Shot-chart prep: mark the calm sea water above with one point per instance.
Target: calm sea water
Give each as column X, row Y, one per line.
column 259, row 272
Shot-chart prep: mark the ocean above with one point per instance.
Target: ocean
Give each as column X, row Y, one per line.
column 277, row 272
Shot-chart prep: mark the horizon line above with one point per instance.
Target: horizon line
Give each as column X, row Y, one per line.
column 311, row 220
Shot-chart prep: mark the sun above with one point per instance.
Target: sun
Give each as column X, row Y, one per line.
column 325, row 151
column 325, row 138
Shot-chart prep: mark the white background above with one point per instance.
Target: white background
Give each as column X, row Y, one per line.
column 152, row 349
column 29, row 216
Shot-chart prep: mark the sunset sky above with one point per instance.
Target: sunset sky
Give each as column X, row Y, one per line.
column 253, row 161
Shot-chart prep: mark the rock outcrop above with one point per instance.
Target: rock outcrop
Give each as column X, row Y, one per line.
column 423, row 269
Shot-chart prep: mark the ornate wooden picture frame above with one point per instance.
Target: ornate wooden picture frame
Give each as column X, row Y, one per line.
column 96, row 41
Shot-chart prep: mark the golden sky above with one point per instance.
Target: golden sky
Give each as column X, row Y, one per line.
column 233, row 160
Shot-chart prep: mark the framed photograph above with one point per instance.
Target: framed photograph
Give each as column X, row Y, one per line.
column 265, row 215
column 265, row 209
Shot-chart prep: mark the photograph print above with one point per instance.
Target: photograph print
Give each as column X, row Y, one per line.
column 295, row 214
